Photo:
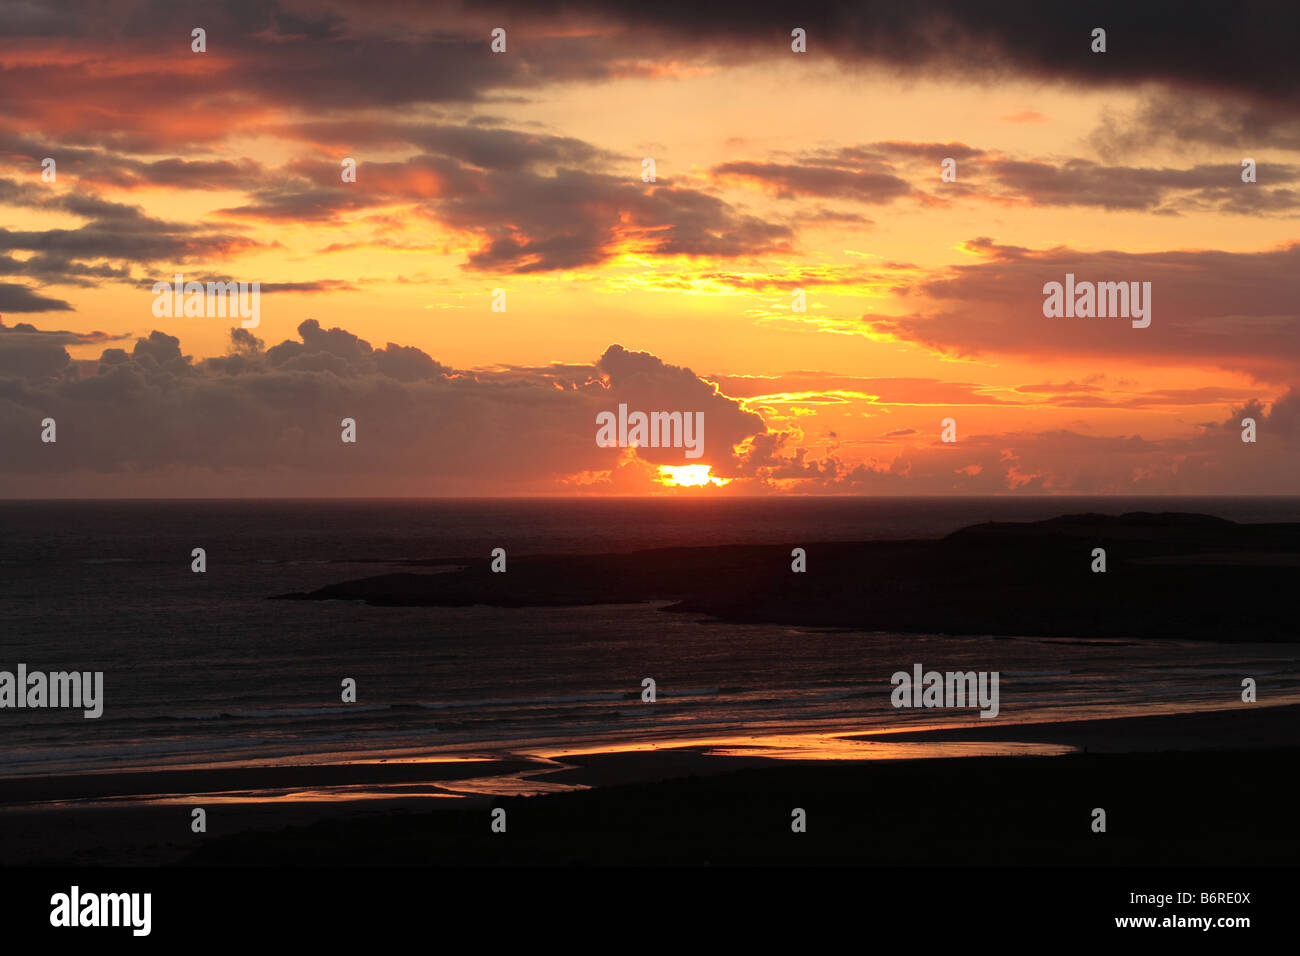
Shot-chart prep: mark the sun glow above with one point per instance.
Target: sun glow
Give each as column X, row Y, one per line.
column 689, row 476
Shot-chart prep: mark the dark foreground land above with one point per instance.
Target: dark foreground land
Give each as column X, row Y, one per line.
column 1175, row 576
column 1167, row 809
column 1212, row 788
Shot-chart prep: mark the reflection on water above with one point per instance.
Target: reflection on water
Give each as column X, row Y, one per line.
column 540, row 767
column 532, row 781
column 830, row 747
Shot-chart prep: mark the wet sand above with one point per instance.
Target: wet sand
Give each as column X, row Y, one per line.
column 691, row 802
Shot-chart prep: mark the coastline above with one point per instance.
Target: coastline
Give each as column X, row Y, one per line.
column 288, row 814
column 1169, row 576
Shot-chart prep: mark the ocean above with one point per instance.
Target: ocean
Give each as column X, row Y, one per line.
column 207, row 669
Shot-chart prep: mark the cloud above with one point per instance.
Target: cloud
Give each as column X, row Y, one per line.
column 19, row 298
column 863, row 173
column 788, row 181
column 267, row 420
column 811, row 386
column 1080, row 182
column 1164, row 118
column 534, row 223
column 867, row 174
column 988, row 40
column 1214, row 461
column 1071, row 395
column 114, row 231
column 266, row 58
column 518, row 206
column 646, row 383
column 25, row 331
column 1230, row 310
column 95, row 167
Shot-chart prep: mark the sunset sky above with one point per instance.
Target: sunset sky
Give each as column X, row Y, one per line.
column 522, row 171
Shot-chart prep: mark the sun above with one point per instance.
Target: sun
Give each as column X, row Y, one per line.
column 689, row 476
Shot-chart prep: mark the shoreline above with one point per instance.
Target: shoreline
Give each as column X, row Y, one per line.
column 467, row 760
column 1166, row 576
column 254, row 807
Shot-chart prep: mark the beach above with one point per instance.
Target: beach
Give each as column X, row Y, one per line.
column 527, row 691
column 1160, row 778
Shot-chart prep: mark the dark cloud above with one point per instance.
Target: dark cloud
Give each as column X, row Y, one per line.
column 61, row 270
column 353, row 57
column 862, row 173
column 115, row 238
column 289, row 203
column 933, row 152
column 19, row 298
column 533, row 223
column 97, row 167
column 268, row 420
column 363, row 55
column 115, row 231
column 267, row 288
column 522, row 208
column 1241, row 49
column 29, row 332
column 789, row 181
column 1079, row 182
column 311, row 285
column 504, row 150
column 867, row 174
column 30, row 19
column 645, row 382
column 161, row 351
column 1231, row 310
column 1242, row 125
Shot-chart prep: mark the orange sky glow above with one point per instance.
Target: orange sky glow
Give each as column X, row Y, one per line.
column 776, row 173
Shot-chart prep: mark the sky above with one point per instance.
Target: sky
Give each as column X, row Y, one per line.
column 518, row 178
